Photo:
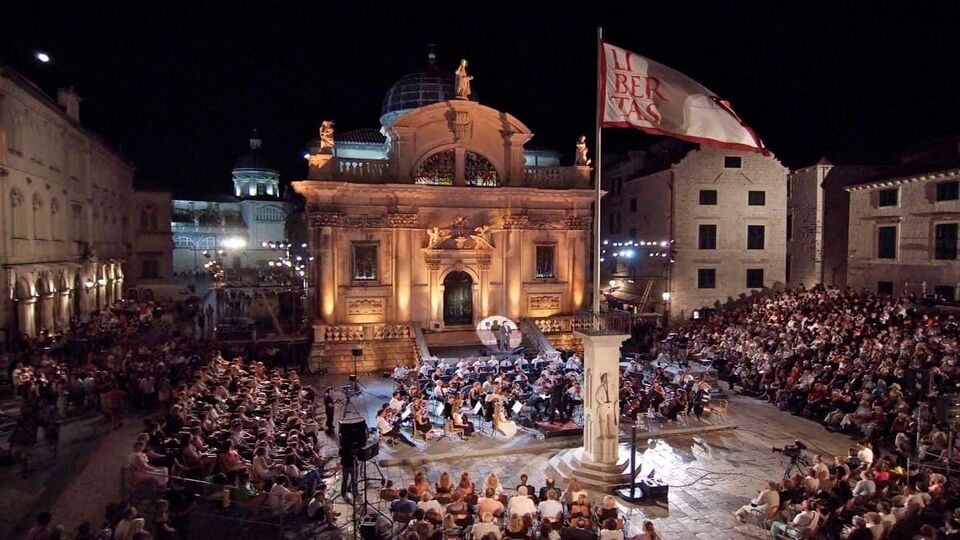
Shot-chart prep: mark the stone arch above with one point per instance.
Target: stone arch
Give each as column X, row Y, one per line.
column 25, row 304
column 43, row 312
column 458, row 298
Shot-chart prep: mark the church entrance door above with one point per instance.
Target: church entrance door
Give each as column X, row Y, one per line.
column 458, row 298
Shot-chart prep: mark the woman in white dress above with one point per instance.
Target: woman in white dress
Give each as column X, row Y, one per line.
column 500, row 422
column 141, row 469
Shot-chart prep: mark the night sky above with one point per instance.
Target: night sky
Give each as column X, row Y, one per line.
column 179, row 87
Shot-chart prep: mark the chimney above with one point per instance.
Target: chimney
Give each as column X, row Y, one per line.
column 70, row 101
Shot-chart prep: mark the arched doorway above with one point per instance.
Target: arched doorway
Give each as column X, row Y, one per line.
column 458, row 298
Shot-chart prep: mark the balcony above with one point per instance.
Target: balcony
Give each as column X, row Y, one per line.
column 361, row 169
column 557, row 177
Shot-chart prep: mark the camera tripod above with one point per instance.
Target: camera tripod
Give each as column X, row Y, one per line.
column 797, row 463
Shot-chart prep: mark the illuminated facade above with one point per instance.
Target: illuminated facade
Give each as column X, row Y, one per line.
column 238, row 224
column 442, row 218
column 75, row 233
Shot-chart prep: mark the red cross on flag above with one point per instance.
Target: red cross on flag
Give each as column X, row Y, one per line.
column 637, row 92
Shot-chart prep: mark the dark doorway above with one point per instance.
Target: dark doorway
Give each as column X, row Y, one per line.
column 458, row 298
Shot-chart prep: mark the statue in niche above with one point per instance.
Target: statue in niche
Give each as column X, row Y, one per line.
column 463, row 90
column 326, row 136
column 581, row 159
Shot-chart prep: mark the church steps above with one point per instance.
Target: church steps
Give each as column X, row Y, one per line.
column 377, row 356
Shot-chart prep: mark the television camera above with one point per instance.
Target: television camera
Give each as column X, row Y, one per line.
column 795, row 453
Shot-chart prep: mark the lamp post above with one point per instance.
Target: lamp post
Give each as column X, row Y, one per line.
column 666, row 308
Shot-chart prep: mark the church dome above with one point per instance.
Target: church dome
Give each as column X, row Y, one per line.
column 431, row 85
column 254, row 158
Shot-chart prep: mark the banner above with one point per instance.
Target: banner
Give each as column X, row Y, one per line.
column 639, row 93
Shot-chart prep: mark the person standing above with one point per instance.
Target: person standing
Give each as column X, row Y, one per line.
column 329, row 406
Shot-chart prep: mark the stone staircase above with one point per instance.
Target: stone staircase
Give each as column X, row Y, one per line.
column 570, row 463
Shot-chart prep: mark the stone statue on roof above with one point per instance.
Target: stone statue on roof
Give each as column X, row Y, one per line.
column 463, row 90
column 326, row 136
column 581, row 159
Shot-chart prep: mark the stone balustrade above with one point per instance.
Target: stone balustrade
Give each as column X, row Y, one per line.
column 557, row 177
column 361, row 169
column 344, row 333
column 605, row 323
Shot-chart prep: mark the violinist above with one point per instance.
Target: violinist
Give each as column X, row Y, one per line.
column 421, row 419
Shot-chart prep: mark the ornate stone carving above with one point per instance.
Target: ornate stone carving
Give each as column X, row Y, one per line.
column 367, row 221
column 325, row 219
column 516, row 221
column 543, row 302
column 432, row 262
column 402, row 220
column 484, row 262
column 460, row 124
column 577, row 222
column 365, row 306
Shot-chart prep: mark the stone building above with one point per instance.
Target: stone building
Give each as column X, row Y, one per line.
column 444, row 219
column 67, row 226
column 817, row 218
column 704, row 225
column 237, row 224
column 903, row 234
column 150, row 263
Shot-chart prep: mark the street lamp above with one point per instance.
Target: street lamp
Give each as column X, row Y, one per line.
column 666, row 307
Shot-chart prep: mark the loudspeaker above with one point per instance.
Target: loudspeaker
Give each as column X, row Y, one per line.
column 653, row 488
column 353, row 432
column 373, row 527
column 357, row 352
column 369, row 451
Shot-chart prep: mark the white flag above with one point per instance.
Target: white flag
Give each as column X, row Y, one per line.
column 640, row 93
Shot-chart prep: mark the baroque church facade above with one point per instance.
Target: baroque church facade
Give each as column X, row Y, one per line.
column 442, row 217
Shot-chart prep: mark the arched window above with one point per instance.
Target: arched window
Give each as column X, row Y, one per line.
column 184, row 242
column 55, row 228
column 18, row 218
column 207, row 242
column 478, row 171
column 39, row 217
column 148, row 219
column 270, row 213
column 436, row 170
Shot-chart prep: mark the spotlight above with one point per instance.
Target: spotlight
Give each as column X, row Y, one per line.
column 306, row 155
column 42, row 56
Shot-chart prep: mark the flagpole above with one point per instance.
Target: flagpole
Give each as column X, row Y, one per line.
column 597, row 173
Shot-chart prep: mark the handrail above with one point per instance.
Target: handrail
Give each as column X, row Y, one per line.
column 423, row 351
column 540, row 341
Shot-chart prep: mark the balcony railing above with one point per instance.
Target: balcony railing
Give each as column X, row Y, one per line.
column 587, row 323
column 344, row 333
column 361, row 169
column 557, row 177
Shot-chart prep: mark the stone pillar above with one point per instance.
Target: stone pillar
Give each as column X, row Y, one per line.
column 327, row 277
column 513, row 273
column 597, row 465
column 403, row 283
column 484, row 266
column 436, row 292
column 25, row 315
column 601, row 409
column 46, row 312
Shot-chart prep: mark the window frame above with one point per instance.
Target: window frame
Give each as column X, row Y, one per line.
column 937, row 241
column 940, row 195
column 354, row 246
column 732, row 162
column 553, row 260
column 700, row 236
column 748, row 275
column 886, row 204
column 750, row 197
column 702, row 282
column 878, row 251
column 881, row 285
column 763, row 237
column 716, row 197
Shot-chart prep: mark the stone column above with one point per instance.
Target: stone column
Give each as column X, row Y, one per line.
column 436, row 292
column 597, row 465
column 601, row 410
column 403, row 282
column 484, row 265
column 25, row 315
column 327, row 278
column 513, row 270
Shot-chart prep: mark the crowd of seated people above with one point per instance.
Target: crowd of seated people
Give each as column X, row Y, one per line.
column 452, row 393
column 866, row 365
column 484, row 509
column 127, row 355
column 240, row 438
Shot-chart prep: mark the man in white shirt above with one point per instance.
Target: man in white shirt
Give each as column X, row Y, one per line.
column 521, row 504
column 400, row 372
column 864, row 453
column 551, row 508
column 574, row 362
column 865, row 486
column 427, row 503
column 806, row 520
column 768, row 497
